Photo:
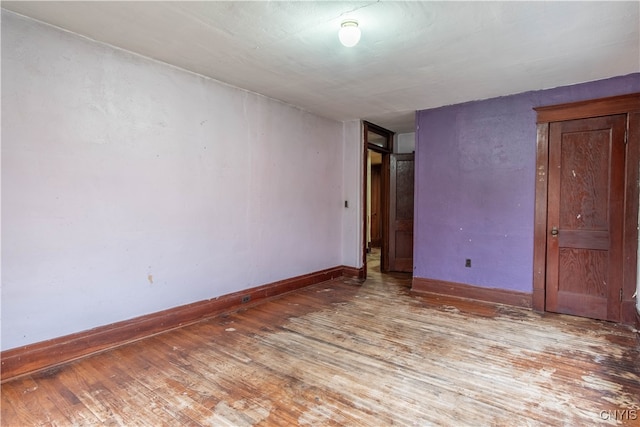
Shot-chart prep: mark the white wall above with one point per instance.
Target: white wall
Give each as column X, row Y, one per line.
column 352, row 184
column 405, row 143
column 129, row 186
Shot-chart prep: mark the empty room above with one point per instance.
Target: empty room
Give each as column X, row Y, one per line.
column 320, row 213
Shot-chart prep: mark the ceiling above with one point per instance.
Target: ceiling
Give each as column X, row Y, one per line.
column 413, row 54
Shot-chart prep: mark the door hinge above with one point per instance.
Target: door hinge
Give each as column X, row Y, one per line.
column 620, row 294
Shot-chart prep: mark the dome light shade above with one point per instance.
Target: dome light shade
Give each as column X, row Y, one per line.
column 349, row 33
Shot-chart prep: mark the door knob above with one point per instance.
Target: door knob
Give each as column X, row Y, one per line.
column 554, row 231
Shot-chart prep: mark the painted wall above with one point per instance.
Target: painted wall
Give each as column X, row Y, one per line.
column 129, row 186
column 353, row 160
column 475, row 170
column 405, row 143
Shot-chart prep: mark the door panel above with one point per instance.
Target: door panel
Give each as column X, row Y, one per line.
column 585, row 217
column 401, row 212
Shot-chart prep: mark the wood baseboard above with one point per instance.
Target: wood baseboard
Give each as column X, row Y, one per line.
column 354, row 272
column 46, row 354
column 460, row 290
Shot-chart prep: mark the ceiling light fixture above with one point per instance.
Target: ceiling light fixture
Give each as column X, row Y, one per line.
column 349, row 33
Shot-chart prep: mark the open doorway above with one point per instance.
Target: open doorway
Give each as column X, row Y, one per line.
column 374, row 206
column 388, row 184
column 374, row 210
column 378, row 146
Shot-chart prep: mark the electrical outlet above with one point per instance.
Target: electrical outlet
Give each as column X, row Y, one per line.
column 246, row 298
column 467, row 262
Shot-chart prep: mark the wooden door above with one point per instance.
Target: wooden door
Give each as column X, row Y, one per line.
column 376, row 206
column 401, row 212
column 585, row 217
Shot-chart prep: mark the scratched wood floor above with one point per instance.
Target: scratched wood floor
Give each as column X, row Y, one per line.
column 343, row 353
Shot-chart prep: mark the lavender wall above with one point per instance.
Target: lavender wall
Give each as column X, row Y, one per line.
column 475, row 185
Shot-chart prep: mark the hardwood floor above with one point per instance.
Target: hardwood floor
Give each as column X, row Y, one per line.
column 344, row 353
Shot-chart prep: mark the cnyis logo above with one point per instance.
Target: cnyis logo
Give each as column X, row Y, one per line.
column 620, row 414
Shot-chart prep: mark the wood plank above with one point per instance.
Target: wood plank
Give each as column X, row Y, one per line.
column 24, row 401
column 337, row 353
column 66, row 401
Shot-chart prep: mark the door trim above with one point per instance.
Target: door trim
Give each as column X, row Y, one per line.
column 586, row 109
column 625, row 104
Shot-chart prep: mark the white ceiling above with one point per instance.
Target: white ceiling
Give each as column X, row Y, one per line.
column 412, row 55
